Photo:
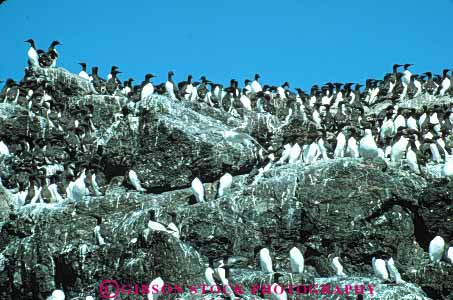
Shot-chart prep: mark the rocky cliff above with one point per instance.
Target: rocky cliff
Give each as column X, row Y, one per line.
column 355, row 209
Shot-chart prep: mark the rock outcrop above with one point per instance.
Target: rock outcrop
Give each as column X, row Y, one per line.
column 355, row 209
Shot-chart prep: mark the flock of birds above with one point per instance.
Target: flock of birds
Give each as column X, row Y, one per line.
column 217, row 273
column 65, row 162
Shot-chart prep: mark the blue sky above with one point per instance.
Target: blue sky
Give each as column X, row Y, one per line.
column 303, row 42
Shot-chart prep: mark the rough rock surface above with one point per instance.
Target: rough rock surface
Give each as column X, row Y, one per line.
column 351, row 208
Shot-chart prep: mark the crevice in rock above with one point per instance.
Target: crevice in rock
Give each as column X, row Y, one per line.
column 421, row 232
column 65, row 276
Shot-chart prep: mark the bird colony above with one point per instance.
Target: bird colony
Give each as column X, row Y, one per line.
column 366, row 122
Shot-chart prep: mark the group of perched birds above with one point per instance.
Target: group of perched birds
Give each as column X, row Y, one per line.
column 55, row 156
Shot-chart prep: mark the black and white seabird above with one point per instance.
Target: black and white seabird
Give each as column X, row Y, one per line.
column 84, row 73
column 380, row 268
column 185, row 88
column 436, row 249
column 256, row 86
column 33, row 57
column 112, row 70
column 337, row 267
column 98, row 82
column 147, row 88
column 113, row 83
column 170, row 87
column 52, row 52
column 198, row 190
column 99, row 233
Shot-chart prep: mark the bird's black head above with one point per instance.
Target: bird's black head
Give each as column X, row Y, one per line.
column 55, row 43
column 10, row 82
column 171, row 73
column 149, row 76
column 257, row 76
column 84, row 65
column 407, row 66
column 31, row 42
column 286, row 84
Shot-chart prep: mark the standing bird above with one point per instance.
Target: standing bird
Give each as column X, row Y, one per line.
column 155, row 288
column 352, row 150
column 226, row 286
column 337, row 267
column 84, row 73
column 294, row 153
column 98, row 231
column 411, row 156
column 245, row 100
column 185, row 87
column 33, row 57
column 399, row 147
column 406, row 74
column 198, row 190
column 147, row 88
column 113, row 83
column 368, row 148
column 170, row 87
column 53, row 189
column 296, row 260
column 393, row 271
column 209, row 273
column 224, row 184
column 265, row 258
column 446, row 83
column 447, row 168
column 436, row 249
column 112, row 70
column 77, row 190
column 127, row 89
column 53, row 54
column 98, row 82
column 380, row 268
column 133, row 178
column 311, row 152
column 341, row 144
column 256, row 86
